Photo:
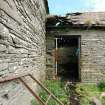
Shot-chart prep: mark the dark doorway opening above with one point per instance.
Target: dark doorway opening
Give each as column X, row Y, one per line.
column 68, row 64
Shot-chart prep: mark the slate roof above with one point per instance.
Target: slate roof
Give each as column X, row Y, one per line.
column 89, row 19
column 97, row 18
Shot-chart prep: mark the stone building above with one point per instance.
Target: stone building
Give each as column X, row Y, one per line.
column 76, row 43
column 22, row 46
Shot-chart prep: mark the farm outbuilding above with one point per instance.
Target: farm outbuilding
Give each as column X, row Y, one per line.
column 80, row 42
column 38, row 45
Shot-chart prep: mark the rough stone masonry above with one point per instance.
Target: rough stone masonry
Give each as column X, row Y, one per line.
column 22, row 46
column 90, row 27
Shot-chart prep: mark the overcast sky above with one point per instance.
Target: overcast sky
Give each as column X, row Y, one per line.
column 61, row 7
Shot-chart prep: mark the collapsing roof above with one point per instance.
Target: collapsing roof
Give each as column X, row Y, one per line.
column 87, row 19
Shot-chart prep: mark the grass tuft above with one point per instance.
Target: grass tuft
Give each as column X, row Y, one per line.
column 57, row 88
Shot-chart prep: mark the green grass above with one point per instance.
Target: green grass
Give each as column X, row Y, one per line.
column 33, row 102
column 87, row 92
column 103, row 101
column 57, row 88
column 101, row 85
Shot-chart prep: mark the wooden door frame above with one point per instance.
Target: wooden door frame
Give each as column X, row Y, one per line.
column 79, row 56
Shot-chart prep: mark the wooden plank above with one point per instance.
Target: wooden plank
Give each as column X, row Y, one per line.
column 40, row 84
column 19, row 76
column 48, row 99
column 31, row 91
column 12, row 77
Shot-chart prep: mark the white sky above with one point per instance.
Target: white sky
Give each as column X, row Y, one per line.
column 96, row 5
column 62, row 7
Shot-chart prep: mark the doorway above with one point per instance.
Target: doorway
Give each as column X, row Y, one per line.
column 68, row 57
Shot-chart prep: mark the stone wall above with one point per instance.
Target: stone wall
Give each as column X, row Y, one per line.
column 22, row 46
column 50, row 59
column 92, row 60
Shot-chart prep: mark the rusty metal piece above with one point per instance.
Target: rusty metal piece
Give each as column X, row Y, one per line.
column 31, row 91
column 20, row 77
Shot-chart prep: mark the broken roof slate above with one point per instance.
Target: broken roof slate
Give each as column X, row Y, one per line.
column 78, row 19
column 92, row 17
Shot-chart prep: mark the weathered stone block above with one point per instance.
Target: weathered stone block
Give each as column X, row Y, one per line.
column 22, row 39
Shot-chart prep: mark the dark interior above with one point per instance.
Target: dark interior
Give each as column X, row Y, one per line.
column 68, row 62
